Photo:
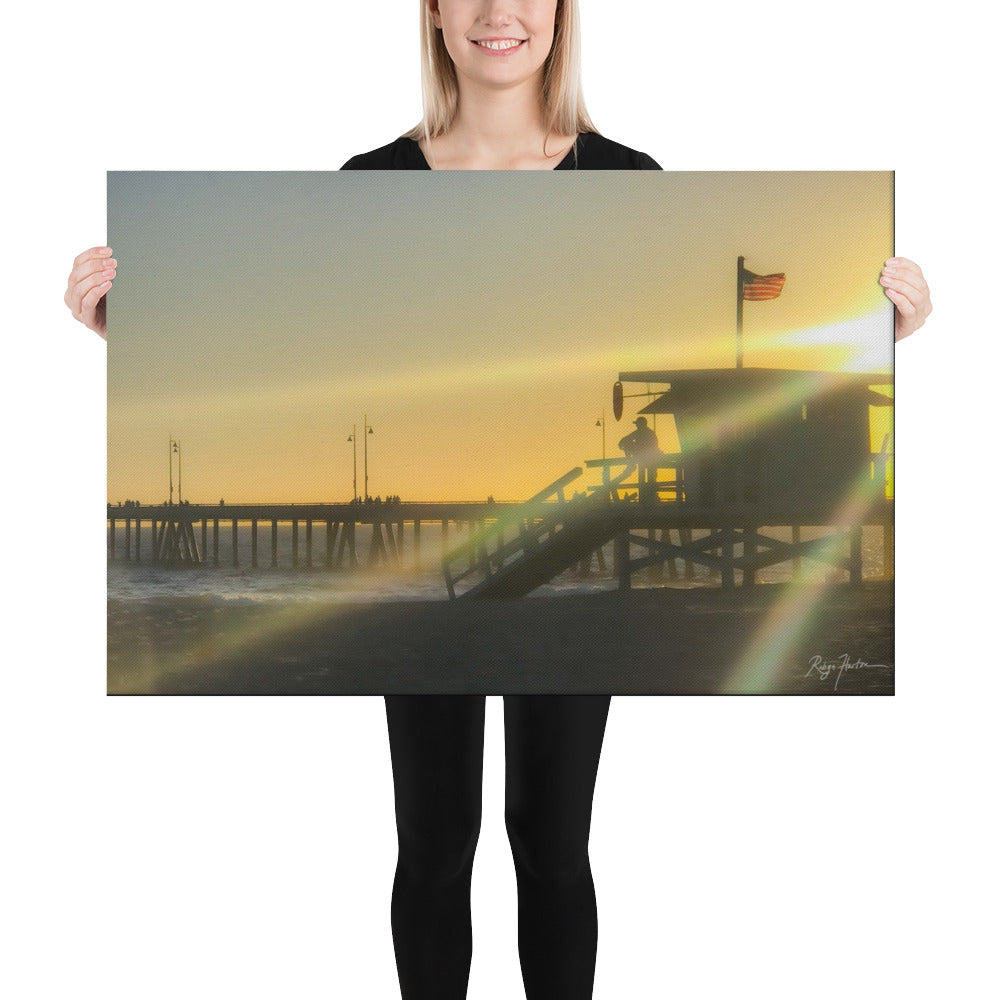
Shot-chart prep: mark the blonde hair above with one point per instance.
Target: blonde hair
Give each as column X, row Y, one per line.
column 565, row 112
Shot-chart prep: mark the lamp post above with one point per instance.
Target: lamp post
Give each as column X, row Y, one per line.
column 353, row 438
column 367, row 430
column 177, row 448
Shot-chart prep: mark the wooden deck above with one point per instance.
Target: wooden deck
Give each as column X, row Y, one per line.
column 642, row 511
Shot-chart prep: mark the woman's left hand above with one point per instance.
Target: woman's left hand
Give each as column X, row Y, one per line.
column 904, row 284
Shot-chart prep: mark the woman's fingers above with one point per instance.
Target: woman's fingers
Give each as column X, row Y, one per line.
column 91, row 262
column 77, row 294
column 906, row 313
column 907, row 289
column 93, row 308
column 89, row 267
column 77, row 289
column 91, row 254
column 88, row 283
column 905, row 270
column 86, row 301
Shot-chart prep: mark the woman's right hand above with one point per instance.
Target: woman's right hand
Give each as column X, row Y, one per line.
column 88, row 285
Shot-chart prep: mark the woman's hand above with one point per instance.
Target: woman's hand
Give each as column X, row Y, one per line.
column 88, row 283
column 904, row 284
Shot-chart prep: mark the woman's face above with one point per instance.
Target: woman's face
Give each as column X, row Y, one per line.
column 496, row 42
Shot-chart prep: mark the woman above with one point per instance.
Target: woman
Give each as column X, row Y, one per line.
column 501, row 91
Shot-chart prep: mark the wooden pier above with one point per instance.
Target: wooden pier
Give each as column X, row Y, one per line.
column 343, row 536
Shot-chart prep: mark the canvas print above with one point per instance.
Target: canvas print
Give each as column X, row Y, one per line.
column 500, row 432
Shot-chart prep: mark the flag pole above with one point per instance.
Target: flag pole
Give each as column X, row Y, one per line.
column 739, row 312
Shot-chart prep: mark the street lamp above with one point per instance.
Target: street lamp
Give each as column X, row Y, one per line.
column 353, row 438
column 177, row 449
column 174, row 448
column 367, row 430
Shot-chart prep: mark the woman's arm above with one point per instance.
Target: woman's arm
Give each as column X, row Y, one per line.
column 88, row 283
column 907, row 290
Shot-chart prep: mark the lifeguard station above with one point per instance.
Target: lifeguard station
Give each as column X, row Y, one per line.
column 764, row 454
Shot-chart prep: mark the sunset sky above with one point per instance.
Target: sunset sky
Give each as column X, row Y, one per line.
column 479, row 319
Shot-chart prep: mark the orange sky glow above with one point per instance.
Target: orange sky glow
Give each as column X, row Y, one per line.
column 478, row 319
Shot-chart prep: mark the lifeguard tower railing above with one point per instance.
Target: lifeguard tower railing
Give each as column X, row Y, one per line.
column 643, row 508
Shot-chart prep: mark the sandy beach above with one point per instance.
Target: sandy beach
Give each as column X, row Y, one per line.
column 771, row 639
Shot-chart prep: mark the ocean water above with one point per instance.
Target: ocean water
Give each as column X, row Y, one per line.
column 228, row 584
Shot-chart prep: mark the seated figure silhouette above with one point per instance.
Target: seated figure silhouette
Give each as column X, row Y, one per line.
column 642, row 448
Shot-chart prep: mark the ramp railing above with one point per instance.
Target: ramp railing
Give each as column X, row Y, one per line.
column 514, row 534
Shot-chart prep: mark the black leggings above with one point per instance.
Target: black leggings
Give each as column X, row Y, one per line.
column 553, row 747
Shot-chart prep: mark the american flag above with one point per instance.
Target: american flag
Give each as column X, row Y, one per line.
column 757, row 287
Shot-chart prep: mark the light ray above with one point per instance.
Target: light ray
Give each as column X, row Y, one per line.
column 232, row 636
column 765, row 657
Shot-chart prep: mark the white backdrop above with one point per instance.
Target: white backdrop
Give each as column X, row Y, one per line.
column 208, row 848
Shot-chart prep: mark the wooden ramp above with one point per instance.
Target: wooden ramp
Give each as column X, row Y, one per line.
column 529, row 546
column 556, row 548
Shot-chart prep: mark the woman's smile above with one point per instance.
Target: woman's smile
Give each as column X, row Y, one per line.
column 498, row 46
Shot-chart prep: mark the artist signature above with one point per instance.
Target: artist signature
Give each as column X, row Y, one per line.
column 843, row 662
